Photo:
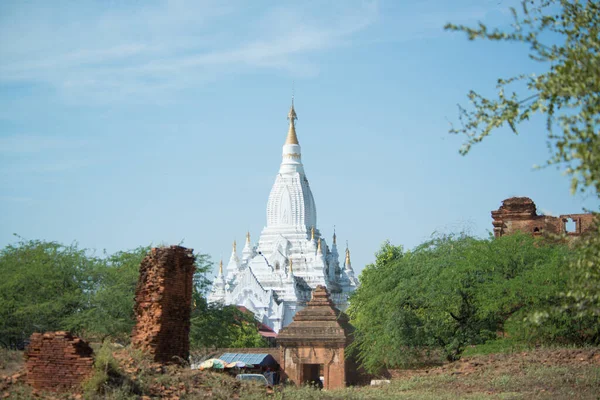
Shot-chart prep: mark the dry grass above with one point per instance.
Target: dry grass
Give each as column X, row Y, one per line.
column 11, row 361
column 558, row 374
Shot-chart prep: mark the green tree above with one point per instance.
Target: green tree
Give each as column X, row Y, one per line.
column 584, row 292
column 450, row 292
column 108, row 312
column 42, row 284
column 369, row 310
column 219, row 326
column 576, row 318
column 203, row 266
column 568, row 95
column 47, row 286
column 216, row 325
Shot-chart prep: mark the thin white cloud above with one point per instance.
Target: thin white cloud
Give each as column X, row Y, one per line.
column 60, row 166
column 425, row 19
column 46, row 156
column 37, row 143
column 16, row 199
column 48, row 169
column 139, row 51
column 169, row 45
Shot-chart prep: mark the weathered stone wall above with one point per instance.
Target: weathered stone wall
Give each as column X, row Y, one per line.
column 519, row 214
column 583, row 223
column 163, row 302
column 57, row 361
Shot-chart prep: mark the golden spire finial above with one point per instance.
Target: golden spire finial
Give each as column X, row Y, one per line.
column 291, row 270
column 312, row 233
column 319, row 245
column 234, row 246
column 221, row 267
column 347, row 255
column 291, row 136
column 248, row 237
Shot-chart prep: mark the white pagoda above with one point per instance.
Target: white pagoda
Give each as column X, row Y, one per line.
column 274, row 278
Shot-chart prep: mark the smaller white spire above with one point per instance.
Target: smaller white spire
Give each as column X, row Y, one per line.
column 334, row 250
column 348, row 271
column 219, row 288
column 248, row 252
column 234, row 263
column 333, row 259
column 347, row 263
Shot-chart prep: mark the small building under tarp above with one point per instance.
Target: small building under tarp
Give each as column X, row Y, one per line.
column 258, row 360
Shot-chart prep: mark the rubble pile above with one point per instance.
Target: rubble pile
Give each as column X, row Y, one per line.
column 57, row 361
column 163, row 301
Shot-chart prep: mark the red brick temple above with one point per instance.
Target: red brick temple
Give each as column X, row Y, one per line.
column 314, row 344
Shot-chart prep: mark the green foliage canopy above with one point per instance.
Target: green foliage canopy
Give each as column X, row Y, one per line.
column 42, row 284
column 450, row 292
column 47, row 286
column 216, row 325
column 584, row 293
column 108, row 310
column 580, row 302
column 219, row 326
column 563, row 35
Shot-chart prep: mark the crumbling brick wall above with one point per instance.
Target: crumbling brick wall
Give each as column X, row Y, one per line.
column 57, row 361
column 163, row 302
column 520, row 214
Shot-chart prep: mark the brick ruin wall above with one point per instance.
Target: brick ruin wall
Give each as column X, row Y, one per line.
column 520, row 214
column 57, row 361
column 163, row 302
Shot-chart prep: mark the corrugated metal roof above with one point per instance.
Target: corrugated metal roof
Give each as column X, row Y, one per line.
column 255, row 359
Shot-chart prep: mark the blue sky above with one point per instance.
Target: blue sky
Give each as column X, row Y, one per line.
column 137, row 122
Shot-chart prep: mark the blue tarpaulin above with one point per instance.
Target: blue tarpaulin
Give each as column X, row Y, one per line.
column 264, row 360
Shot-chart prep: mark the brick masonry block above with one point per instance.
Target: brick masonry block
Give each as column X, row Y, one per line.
column 57, row 361
column 163, row 303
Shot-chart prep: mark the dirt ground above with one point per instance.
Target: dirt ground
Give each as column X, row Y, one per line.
column 511, row 362
column 539, row 373
column 536, row 374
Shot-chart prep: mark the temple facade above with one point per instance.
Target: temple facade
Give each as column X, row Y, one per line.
column 274, row 277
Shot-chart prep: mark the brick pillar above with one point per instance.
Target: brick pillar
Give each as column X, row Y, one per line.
column 163, row 303
column 57, row 361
